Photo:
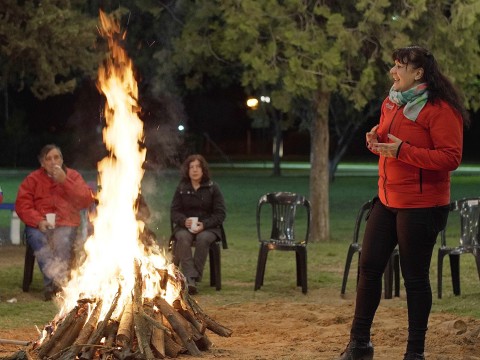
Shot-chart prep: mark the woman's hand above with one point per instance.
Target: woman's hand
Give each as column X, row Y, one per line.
column 389, row 150
column 198, row 229
column 371, row 137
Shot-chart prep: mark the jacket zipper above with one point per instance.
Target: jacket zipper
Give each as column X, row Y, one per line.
column 421, row 180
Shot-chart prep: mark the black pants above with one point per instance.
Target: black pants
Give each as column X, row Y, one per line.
column 415, row 231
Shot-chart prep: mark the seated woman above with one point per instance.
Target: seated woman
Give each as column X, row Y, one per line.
column 196, row 196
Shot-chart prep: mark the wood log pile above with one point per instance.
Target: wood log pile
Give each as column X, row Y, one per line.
column 146, row 329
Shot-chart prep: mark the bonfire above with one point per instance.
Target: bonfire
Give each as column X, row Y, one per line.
column 126, row 300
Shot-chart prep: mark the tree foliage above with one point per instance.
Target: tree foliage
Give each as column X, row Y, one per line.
column 46, row 45
column 308, row 52
column 312, row 49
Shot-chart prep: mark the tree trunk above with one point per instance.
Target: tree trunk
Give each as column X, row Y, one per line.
column 277, row 143
column 319, row 172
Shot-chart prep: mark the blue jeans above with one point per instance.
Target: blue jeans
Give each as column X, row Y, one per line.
column 415, row 231
column 53, row 251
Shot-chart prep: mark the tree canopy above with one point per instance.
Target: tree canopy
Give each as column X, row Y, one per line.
column 312, row 49
column 314, row 53
column 46, row 45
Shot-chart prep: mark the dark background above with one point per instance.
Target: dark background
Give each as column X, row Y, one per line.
column 217, row 125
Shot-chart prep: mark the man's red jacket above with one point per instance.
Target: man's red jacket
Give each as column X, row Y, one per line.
column 39, row 194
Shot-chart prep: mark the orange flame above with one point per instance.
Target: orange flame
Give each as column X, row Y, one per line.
column 114, row 247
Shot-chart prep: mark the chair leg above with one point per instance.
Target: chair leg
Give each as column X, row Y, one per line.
column 358, row 268
column 215, row 266
column 301, row 255
column 396, row 271
column 455, row 270
column 261, row 264
column 476, row 253
column 28, row 268
column 211, row 256
column 348, row 262
column 298, row 265
column 441, row 255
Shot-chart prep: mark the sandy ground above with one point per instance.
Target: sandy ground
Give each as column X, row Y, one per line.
column 318, row 328
column 284, row 330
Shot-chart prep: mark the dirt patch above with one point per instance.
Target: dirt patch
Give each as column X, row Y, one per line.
column 284, row 330
column 316, row 328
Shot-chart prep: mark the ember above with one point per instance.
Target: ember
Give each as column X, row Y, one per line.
column 133, row 302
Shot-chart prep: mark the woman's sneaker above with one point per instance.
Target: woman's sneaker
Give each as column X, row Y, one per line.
column 357, row 350
column 413, row 356
column 192, row 286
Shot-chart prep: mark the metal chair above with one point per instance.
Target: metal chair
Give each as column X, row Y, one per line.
column 28, row 267
column 468, row 210
column 282, row 235
column 392, row 270
column 213, row 255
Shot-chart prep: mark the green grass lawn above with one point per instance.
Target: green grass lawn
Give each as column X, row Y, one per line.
column 242, row 189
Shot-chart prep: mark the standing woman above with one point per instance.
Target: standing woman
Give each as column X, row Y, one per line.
column 419, row 142
column 196, row 196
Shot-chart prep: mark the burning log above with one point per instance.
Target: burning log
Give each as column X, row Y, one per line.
column 69, row 322
column 111, row 332
column 125, row 328
column 69, row 337
column 158, row 337
column 177, row 325
column 148, row 329
column 14, row 342
column 143, row 329
column 83, row 335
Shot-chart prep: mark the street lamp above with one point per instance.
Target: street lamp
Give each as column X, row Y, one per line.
column 252, row 103
column 261, row 119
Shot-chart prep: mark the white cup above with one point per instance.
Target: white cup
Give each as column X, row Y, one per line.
column 51, row 219
column 194, row 225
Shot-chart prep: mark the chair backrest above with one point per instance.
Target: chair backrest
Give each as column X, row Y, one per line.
column 361, row 216
column 284, row 210
column 468, row 210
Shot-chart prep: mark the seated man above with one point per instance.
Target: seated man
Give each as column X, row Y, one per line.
column 52, row 189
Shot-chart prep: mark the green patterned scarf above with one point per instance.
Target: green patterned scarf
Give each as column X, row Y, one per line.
column 414, row 98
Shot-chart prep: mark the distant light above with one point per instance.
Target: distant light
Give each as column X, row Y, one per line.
column 265, row 99
column 252, row 103
column 181, row 127
column 394, row 17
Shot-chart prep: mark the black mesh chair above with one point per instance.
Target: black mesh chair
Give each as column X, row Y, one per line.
column 392, row 270
column 214, row 256
column 468, row 210
column 29, row 265
column 282, row 234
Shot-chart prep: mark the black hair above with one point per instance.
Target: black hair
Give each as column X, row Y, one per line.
column 438, row 85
